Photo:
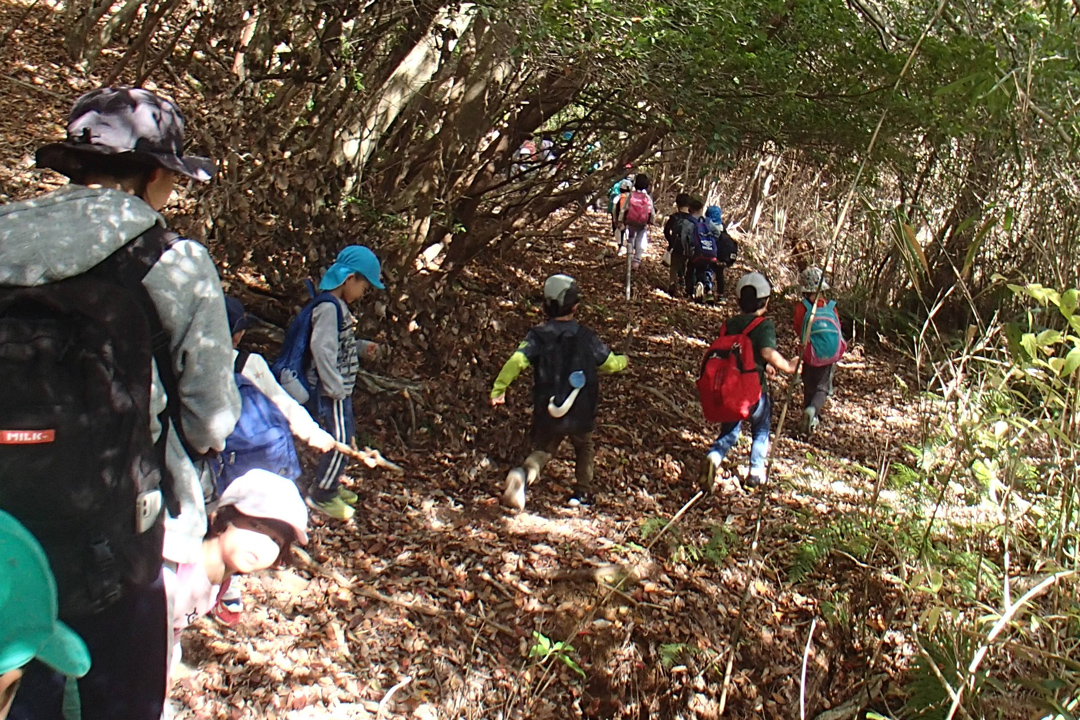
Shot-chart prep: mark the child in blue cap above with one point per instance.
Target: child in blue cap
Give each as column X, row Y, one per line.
column 331, row 361
column 29, row 628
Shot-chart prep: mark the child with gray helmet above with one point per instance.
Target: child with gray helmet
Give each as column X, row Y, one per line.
column 824, row 345
column 566, row 358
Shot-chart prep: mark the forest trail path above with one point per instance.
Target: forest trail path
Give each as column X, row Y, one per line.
column 436, row 582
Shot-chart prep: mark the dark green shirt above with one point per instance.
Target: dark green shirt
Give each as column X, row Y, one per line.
column 763, row 336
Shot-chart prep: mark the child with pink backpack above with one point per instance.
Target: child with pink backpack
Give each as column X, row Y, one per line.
column 818, row 328
column 636, row 215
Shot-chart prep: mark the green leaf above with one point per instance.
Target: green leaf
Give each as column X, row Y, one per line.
column 1071, row 362
column 915, row 247
column 572, row 665
column 1069, row 302
column 976, row 244
column 1048, row 337
column 1027, row 341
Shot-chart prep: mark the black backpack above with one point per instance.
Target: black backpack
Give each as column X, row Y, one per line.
column 78, row 466
column 727, row 249
column 565, row 349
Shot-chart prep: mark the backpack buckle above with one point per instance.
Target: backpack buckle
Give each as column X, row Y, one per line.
column 105, row 587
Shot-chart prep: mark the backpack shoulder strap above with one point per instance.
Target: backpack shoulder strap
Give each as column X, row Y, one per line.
column 327, row 296
column 129, row 266
column 753, row 324
column 241, row 360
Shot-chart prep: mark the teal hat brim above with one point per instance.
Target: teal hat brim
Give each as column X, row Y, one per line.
column 65, row 652
column 338, row 273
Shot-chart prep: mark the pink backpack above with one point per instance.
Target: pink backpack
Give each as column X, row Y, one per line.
column 637, row 215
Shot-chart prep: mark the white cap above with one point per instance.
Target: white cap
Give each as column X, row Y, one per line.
column 757, row 281
column 263, row 494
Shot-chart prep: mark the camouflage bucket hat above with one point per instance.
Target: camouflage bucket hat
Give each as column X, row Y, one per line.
column 115, row 121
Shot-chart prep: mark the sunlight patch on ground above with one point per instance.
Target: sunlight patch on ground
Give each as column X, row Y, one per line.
column 561, row 528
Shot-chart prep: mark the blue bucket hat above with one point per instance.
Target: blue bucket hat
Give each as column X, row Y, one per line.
column 29, row 627
column 353, row 259
column 713, row 213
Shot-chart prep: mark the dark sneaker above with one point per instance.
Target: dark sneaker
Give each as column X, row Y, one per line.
column 754, row 479
column 709, row 467
column 581, row 496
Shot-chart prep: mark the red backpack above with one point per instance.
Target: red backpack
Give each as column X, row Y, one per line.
column 729, row 385
column 637, row 215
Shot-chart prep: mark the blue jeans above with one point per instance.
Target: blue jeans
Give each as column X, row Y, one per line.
column 760, row 421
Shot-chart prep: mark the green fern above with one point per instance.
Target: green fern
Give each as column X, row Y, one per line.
column 672, row 653
column 651, row 527
column 849, row 533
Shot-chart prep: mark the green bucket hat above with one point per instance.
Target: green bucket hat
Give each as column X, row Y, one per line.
column 29, row 627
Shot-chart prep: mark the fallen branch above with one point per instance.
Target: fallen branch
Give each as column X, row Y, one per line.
column 370, row 458
column 373, row 594
column 382, row 383
column 851, row 708
column 389, row 694
column 802, row 681
column 671, row 403
column 1001, row 624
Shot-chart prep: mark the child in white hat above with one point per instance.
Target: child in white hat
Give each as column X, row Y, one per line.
column 260, row 515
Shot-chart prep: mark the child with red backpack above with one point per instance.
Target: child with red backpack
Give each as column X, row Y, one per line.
column 824, row 345
column 636, row 216
column 732, row 383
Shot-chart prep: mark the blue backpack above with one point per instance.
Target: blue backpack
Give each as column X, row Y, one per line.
column 826, row 341
column 261, row 439
column 704, row 242
column 292, row 364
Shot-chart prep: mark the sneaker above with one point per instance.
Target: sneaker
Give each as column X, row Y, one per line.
column 347, row 496
column 335, row 507
column 699, row 291
column 755, row 478
column 709, row 467
column 808, row 422
column 622, row 251
column 514, row 495
column 229, row 607
column 581, row 496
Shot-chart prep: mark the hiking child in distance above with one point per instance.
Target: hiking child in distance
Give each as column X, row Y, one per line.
column 753, row 291
column 824, row 345
column 679, row 232
column 319, row 361
column 726, row 248
column 702, row 266
column 269, row 416
column 635, row 217
column 566, row 358
column 625, row 188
